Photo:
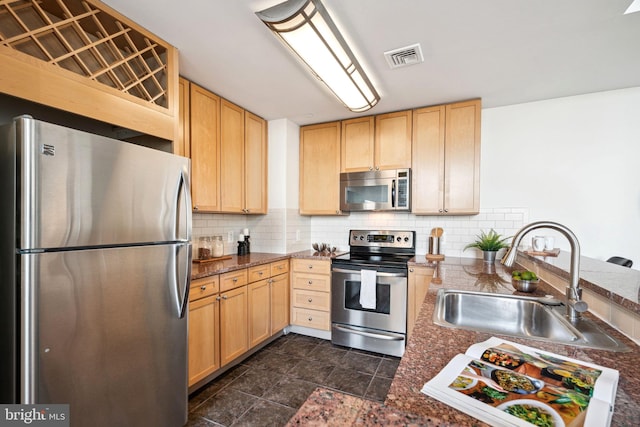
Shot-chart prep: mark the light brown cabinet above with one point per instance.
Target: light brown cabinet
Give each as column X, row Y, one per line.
column 232, row 182
column 446, row 159
column 268, row 300
column 255, row 164
column 234, row 328
column 417, row 287
column 311, row 293
column 228, row 150
column 204, row 328
column 182, row 146
column 376, row 142
column 320, row 169
column 205, row 149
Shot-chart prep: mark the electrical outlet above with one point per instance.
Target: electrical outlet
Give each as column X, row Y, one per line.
column 230, row 237
column 297, row 235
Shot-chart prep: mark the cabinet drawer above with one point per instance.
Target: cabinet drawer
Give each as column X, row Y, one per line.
column 310, row 318
column 311, row 299
column 279, row 267
column 259, row 272
column 233, row 279
column 204, row 287
column 317, row 266
column 313, row 282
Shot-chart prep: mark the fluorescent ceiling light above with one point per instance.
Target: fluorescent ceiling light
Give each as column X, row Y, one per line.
column 634, row 7
column 306, row 27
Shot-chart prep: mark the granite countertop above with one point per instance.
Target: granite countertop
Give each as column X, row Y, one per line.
column 200, row 270
column 431, row 347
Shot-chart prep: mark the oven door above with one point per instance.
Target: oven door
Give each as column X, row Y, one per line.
column 390, row 313
column 382, row 329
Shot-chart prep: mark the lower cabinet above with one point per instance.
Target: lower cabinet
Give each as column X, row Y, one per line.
column 311, row 294
column 418, row 285
column 228, row 316
column 204, row 328
column 234, row 330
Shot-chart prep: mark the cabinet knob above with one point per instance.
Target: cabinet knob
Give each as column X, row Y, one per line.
column 310, row 319
column 370, row 168
column 235, row 279
column 218, row 298
column 224, row 297
column 310, row 299
column 310, row 267
column 260, row 273
column 377, row 168
column 411, row 270
column 203, row 288
column 446, row 210
column 440, row 210
column 195, row 208
column 310, row 282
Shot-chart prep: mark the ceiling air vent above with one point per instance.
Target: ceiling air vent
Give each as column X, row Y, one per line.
column 404, row 56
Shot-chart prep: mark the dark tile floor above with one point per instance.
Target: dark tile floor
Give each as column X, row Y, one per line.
column 268, row 388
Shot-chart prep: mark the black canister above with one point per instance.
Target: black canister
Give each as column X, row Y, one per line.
column 242, row 248
column 247, row 244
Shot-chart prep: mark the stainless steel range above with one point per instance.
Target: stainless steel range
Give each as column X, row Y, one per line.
column 369, row 291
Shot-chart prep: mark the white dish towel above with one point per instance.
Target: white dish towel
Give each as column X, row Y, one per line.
column 368, row 289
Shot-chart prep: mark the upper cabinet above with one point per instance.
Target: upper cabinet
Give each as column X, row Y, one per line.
column 205, row 149
column 320, row 169
column 393, row 140
column 376, row 142
column 255, row 164
column 86, row 58
column 446, row 159
column 231, row 157
column 228, row 150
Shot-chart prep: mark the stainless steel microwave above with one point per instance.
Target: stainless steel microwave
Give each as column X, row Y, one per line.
column 385, row 190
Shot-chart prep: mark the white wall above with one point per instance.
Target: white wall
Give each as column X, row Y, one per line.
column 573, row 160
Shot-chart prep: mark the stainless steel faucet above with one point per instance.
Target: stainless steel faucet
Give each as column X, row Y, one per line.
column 573, row 293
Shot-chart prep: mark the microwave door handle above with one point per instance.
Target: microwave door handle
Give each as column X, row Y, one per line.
column 393, row 193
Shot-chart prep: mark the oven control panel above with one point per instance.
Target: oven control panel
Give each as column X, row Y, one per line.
column 382, row 238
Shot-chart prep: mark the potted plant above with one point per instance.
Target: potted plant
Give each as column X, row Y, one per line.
column 489, row 243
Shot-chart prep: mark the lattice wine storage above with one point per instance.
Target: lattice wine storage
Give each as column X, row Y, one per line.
column 80, row 37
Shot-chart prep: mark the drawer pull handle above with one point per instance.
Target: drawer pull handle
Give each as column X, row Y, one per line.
column 310, row 267
column 310, row 319
column 310, row 282
column 235, row 279
column 203, row 288
column 260, row 273
column 310, row 300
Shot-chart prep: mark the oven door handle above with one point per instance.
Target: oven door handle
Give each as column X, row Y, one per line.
column 378, row 273
column 368, row 334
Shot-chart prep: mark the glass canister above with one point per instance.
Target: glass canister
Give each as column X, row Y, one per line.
column 218, row 246
column 204, row 247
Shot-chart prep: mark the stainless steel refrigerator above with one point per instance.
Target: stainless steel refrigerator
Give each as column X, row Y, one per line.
column 95, row 257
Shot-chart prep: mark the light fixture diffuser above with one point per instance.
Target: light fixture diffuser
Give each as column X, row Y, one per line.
column 306, row 27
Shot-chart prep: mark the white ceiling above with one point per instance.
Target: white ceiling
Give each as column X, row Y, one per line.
column 503, row 51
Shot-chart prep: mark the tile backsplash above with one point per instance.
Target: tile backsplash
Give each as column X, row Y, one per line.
column 284, row 230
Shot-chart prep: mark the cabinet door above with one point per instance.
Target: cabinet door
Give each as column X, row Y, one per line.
column 462, row 158
column 427, row 169
column 259, row 312
column 357, row 144
column 320, row 169
column 234, row 331
column 204, row 351
column 393, row 140
column 255, row 161
column 232, row 182
column 205, row 150
column 279, row 302
column 418, row 286
column 182, row 146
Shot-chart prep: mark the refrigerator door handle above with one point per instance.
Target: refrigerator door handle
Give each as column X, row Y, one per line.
column 182, row 278
column 183, row 208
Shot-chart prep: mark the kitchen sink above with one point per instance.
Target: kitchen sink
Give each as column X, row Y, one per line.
column 537, row 318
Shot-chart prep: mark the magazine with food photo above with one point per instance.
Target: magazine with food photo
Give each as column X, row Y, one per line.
column 505, row 383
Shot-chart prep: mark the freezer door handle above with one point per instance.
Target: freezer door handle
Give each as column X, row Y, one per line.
column 183, row 209
column 183, row 278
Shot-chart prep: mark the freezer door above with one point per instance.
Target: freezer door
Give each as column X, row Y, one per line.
column 84, row 190
column 105, row 331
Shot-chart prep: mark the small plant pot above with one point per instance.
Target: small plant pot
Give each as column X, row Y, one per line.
column 489, row 256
